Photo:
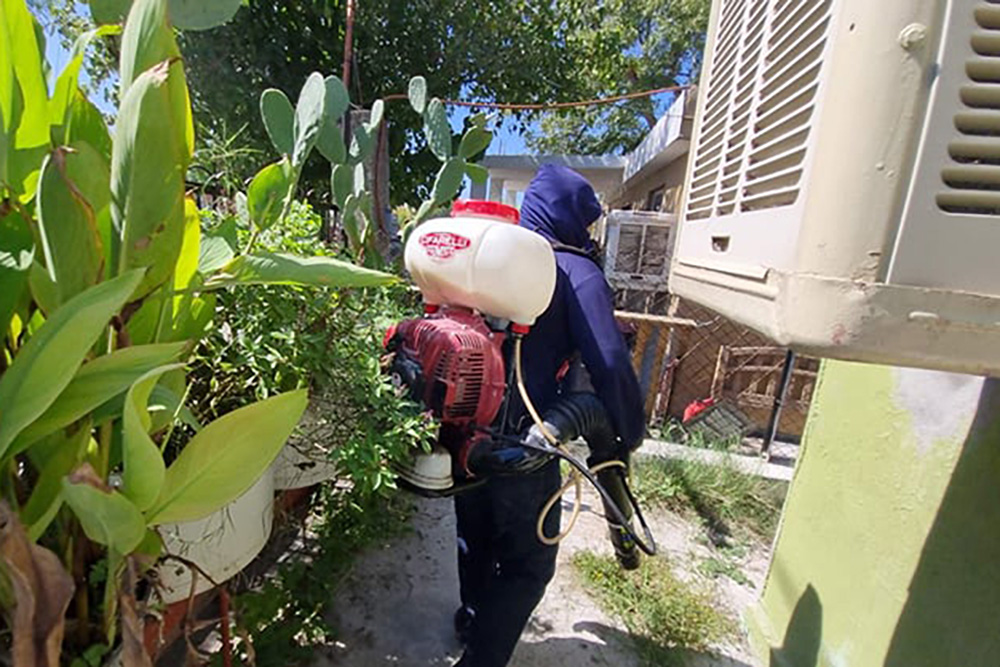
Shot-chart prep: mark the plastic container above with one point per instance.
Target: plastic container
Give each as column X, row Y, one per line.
column 484, row 262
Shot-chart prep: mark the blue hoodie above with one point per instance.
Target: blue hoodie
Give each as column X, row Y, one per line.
column 560, row 205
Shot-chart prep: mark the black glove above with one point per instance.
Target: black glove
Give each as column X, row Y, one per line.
column 488, row 456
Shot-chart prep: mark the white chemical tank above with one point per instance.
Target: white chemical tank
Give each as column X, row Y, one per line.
column 479, row 258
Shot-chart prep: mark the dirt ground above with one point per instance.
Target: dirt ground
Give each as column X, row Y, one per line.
column 397, row 605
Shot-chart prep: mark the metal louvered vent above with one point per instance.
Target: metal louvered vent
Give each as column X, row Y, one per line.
column 759, row 103
column 973, row 175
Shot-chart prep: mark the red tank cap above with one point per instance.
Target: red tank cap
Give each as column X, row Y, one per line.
column 520, row 329
column 431, row 308
column 485, row 208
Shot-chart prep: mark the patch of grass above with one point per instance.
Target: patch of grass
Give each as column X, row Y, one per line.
column 285, row 619
column 724, row 564
column 730, row 502
column 664, row 614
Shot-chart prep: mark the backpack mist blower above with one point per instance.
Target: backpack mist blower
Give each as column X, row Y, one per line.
column 484, row 282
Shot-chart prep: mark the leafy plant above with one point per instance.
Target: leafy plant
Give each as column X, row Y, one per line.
column 664, row 614
column 108, row 283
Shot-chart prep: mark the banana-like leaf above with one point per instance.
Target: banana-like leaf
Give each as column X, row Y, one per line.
column 97, row 382
column 226, row 458
column 268, row 191
column 143, row 468
column 46, row 498
column 147, row 40
column 165, row 400
column 474, row 141
column 308, row 117
column 448, row 181
column 17, row 251
column 72, row 196
column 184, row 14
column 331, row 139
column 417, row 94
column 342, row 183
column 438, row 130
column 215, row 253
column 85, row 124
column 477, row 173
column 8, row 103
column 187, row 260
column 106, row 516
column 202, row 14
column 27, row 59
column 49, row 360
column 67, row 85
column 283, row 269
column 279, row 120
column 148, row 166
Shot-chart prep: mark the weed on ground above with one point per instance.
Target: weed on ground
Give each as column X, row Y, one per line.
column 733, row 505
column 666, row 616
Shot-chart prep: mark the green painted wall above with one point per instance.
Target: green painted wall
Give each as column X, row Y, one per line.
column 889, row 548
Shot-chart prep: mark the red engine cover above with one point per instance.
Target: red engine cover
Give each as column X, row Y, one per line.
column 462, row 365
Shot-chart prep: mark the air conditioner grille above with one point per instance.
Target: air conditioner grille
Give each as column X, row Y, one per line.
column 972, row 177
column 758, row 106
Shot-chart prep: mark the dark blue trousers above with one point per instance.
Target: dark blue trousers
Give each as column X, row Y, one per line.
column 503, row 568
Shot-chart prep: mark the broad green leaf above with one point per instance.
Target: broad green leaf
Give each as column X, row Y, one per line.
column 477, row 172
column 147, row 174
column 215, row 254
column 242, row 216
column 375, row 117
column 342, row 183
column 187, row 260
column 331, row 137
column 438, row 130
column 143, row 469
column 17, row 250
column 148, row 40
column 46, row 498
column 448, row 181
column 27, row 59
column 109, row 11
column 193, row 316
column 8, row 104
column 282, row 269
column 267, row 193
column 349, row 221
column 226, row 458
column 279, row 120
column 361, row 144
column 107, row 517
column 85, row 124
column 308, row 117
column 359, row 179
column 49, row 360
column 97, row 382
column 43, row 289
column 417, row 93
column 72, row 194
column 202, row 14
column 475, row 141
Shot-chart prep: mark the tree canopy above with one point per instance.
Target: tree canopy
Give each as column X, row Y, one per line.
column 489, row 50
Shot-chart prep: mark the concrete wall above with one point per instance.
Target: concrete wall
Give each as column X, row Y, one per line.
column 636, row 193
column 889, row 549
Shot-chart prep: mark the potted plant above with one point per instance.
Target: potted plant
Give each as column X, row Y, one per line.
column 106, row 284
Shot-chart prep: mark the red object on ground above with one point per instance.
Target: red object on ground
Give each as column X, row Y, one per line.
column 482, row 207
column 695, row 408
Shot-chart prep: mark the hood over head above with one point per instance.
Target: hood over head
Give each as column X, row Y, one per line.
column 560, row 204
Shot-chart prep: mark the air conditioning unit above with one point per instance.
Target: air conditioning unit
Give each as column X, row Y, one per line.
column 843, row 190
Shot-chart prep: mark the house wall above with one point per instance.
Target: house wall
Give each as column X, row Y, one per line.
column 889, row 548
column 672, row 176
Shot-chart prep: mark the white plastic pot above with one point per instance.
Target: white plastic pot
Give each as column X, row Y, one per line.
column 221, row 544
column 298, row 467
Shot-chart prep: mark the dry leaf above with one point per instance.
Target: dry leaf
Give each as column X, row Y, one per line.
column 42, row 592
column 133, row 650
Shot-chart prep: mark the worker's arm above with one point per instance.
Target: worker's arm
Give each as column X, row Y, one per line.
column 602, row 348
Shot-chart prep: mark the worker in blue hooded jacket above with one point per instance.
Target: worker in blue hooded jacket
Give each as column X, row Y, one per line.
column 503, row 565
